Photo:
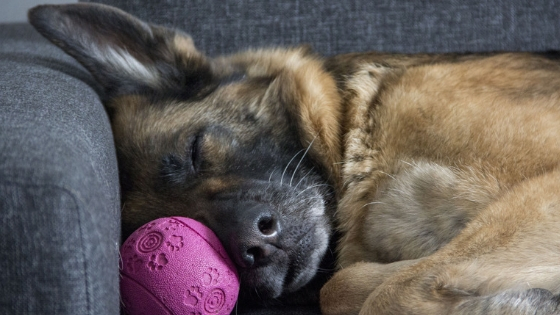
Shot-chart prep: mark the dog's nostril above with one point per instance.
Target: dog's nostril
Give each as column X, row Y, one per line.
column 267, row 226
column 249, row 257
column 258, row 255
column 254, row 254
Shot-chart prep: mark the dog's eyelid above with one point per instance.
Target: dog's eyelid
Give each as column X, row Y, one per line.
column 180, row 168
column 195, row 151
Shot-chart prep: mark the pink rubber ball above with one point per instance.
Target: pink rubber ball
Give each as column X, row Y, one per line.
column 177, row 266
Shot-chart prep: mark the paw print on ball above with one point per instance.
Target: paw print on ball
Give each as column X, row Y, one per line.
column 174, row 243
column 192, row 296
column 157, row 262
column 147, row 226
column 211, row 276
column 134, row 263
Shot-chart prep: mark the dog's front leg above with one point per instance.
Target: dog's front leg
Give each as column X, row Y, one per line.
column 348, row 289
column 506, row 261
column 417, row 289
column 428, row 295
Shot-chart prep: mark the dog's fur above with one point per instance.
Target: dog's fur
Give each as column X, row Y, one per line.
column 443, row 169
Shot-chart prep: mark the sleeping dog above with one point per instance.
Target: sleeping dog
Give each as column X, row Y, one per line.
column 440, row 172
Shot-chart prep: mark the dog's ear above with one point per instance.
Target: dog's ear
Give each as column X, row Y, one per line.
column 300, row 83
column 125, row 54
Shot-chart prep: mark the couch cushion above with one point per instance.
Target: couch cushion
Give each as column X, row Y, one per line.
column 334, row 26
column 59, row 192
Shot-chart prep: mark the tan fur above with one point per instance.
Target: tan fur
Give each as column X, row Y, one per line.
column 492, row 126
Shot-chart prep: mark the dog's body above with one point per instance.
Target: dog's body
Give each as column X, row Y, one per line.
column 443, row 169
column 454, row 159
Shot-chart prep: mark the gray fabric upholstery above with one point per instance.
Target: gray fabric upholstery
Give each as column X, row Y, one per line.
column 59, row 200
column 59, row 193
column 334, row 26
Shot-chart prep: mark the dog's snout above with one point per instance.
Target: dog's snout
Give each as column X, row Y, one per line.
column 257, row 239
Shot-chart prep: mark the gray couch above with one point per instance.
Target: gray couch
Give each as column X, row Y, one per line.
column 59, row 191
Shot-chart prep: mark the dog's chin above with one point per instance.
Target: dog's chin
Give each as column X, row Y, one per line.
column 264, row 282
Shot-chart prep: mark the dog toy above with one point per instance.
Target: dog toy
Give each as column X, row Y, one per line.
column 177, row 266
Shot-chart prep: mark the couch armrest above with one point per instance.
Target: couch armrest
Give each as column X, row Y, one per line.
column 59, row 192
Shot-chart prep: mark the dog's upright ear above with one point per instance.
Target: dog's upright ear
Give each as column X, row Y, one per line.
column 301, row 84
column 125, row 54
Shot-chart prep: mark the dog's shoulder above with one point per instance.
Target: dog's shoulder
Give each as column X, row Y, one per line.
column 343, row 67
column 450, row 110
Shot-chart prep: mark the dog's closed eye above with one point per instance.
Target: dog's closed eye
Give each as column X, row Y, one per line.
column 176, row 169
column 196, row 152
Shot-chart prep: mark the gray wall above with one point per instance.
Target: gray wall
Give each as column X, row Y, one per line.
column 16, row 10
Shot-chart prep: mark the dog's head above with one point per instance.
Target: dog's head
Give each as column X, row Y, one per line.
column 245, row 144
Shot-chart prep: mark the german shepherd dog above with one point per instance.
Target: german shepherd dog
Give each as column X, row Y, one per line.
column 440, row 172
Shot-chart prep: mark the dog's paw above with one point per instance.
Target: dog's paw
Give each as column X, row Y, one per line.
column 348, row 289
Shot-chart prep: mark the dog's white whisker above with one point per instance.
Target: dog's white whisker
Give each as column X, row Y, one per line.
column 300, row 160
column 288, row 165
column 270, row 177
column 387, row 174
column 373, row 203
column 312, row 199
column 310, row 187
column 304, row 176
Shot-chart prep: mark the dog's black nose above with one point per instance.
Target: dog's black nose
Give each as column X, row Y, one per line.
column 256, row 239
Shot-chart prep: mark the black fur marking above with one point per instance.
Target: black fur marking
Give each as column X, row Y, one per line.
column 173, row 170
